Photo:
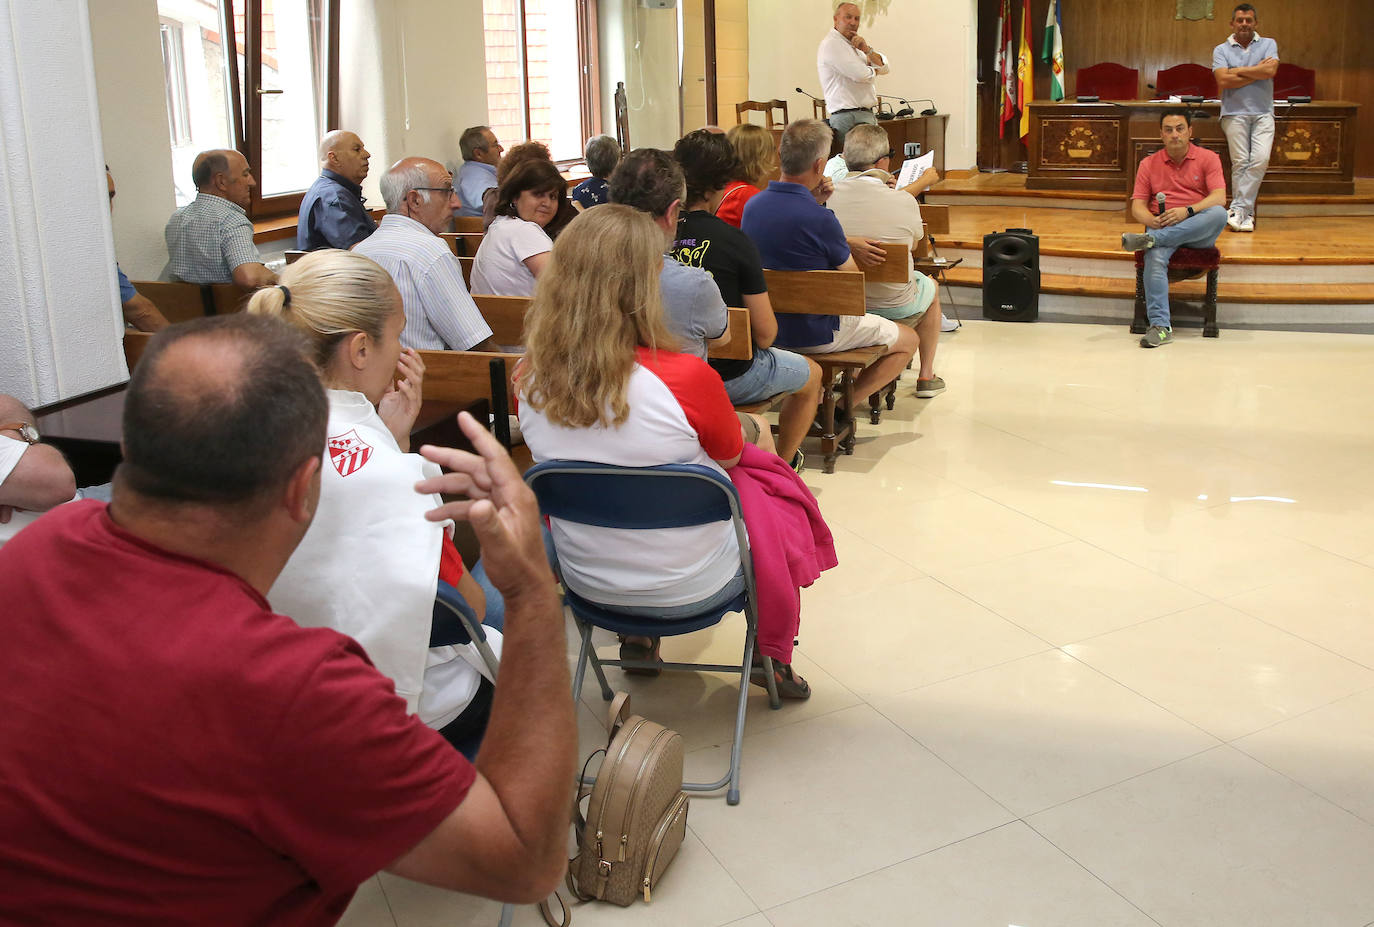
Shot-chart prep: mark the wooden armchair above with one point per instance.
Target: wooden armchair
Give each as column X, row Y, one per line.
column 767, row 107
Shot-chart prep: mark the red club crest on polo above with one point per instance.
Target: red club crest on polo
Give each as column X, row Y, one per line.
column 349, row 453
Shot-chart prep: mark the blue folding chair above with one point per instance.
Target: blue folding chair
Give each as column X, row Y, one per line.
column 646, row 499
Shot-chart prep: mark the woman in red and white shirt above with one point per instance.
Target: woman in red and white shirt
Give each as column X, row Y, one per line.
column 602, row 381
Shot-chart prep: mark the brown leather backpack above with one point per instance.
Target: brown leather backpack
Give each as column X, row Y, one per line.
column 637, row 816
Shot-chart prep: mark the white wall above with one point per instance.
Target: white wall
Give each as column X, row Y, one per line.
column 639, row 46
column 133, row 123
column 930, row 46
column 60, row 321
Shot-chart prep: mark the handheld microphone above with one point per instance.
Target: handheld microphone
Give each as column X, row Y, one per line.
column 1159, row 199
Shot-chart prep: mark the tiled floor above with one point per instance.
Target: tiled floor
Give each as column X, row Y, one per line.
column 1099, row 652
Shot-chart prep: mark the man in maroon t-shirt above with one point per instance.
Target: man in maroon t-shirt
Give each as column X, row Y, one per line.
column 1178, row 197
column 175, row 753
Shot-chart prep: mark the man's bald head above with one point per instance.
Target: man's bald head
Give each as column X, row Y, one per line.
column 221, row 412
column 225, row 173
column 342, row 152
column 415, row 187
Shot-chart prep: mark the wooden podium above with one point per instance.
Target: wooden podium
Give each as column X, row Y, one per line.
column 1097, row 146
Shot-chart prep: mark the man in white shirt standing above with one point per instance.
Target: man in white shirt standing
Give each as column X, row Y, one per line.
column 847, row 67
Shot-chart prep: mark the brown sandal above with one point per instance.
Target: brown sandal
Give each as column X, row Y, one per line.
column 788, row 683
column 637, row 650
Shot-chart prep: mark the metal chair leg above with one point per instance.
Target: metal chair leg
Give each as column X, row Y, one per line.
column 507, row 915
column 581, row 671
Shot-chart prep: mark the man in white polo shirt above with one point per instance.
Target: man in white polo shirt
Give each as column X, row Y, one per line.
column 869, row 208
column 847, row 66
column 1245, row 65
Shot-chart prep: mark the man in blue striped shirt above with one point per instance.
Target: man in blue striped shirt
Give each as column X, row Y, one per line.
column 1245, row 65
column 439, row 312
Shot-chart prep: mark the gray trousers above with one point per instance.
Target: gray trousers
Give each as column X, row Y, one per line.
column 843, row 122
column 1250, row 138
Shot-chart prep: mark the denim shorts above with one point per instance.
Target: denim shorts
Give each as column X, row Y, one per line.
column 774, row 371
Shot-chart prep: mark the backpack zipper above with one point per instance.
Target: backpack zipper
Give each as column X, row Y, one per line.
column 601, row 818
column 634, row 788
column 656, row 841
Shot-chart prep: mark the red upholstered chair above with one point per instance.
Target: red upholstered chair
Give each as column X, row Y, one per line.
column 1109, row 81
column 1186, row 80
column 1186, row 264
column 1293, row 81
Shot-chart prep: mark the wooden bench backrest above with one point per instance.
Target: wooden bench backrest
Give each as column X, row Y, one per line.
column 465, row 376
column 896, row 269
column 463, row 244
column 182, row 301
column 936, row 219
column 468, row 224
column 506, row 317
column 135, row 343
column 467, row 271
column 293, row 255
column 816, row 292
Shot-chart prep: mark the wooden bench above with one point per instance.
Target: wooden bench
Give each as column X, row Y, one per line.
column 505, row 316
column 293, row 255
column 469, row 224
column 464, row 244
column 182, row 301
column 895, row 269
column 467, row 271
column 827, row 292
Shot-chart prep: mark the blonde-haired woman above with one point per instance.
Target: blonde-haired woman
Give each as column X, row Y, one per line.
column 602, row 380
column 369, row 563
column 758, row 158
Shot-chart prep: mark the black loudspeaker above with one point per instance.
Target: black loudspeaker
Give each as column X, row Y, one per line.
column 1011, row 276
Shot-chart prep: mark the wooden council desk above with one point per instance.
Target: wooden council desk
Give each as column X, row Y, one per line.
column 1097, row 146
column 928, row 131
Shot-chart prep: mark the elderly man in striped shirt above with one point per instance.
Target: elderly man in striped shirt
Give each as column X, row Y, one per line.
column 439, row 312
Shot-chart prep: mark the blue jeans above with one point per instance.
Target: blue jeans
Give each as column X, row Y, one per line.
column 774, row 371
column 495, row 617
column 1199, row 231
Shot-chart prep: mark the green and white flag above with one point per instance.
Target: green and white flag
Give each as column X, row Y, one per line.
column 1053, row 50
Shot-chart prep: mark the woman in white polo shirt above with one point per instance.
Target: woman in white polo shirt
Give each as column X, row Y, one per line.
column 516, row 246
column 602, row 380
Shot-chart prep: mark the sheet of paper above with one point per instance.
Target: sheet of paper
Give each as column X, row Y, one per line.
column 915, row 167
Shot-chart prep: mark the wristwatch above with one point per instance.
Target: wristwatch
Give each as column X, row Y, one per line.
column 27, row 433
column 1190, row 212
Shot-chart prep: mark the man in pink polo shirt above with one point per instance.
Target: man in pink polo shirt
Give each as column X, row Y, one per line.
column 1179, row 196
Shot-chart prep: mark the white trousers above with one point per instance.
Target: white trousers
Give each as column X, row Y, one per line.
column 1250, row 138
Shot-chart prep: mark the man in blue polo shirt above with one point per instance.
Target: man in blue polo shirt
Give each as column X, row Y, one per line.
column 1245, row 65
column 793, row 230
column 332, row 214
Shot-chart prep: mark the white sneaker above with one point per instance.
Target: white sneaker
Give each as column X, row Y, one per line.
column 947, row 324
column 1233, row 219
column 1247, row 224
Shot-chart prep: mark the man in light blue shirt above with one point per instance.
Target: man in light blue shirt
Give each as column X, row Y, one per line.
column 480, row 151
column 1245, row 65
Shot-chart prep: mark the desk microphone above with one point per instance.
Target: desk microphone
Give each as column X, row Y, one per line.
column 907, row 109
column 805, row 94
column 1159, row 198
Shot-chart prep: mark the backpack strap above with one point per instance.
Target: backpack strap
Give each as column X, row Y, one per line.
column 619, row 713
column 547, row 912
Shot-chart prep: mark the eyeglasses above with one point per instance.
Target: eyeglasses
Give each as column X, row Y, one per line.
column 891, row 153
column 445, row 190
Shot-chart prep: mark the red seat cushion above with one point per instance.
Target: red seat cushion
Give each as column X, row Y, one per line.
column 1188, row 259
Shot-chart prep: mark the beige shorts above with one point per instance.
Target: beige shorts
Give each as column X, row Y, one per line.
column 857, row 331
